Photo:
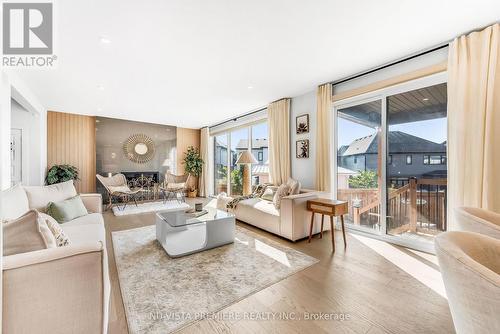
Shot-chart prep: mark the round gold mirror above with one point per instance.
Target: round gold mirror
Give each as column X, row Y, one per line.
column 139, row 148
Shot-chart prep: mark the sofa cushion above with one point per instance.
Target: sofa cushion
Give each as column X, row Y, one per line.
column 83, row 233
column 67, row 210
column 260, row 213
column 14, row 202
column 40, row 197
column 26, row 234
column 90, row 219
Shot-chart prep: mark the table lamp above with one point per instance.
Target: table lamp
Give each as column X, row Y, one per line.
column 246, row 159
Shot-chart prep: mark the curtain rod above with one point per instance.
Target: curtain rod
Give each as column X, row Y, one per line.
column 234, row 119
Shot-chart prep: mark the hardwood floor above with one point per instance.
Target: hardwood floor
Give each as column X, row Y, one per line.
column 370, row 289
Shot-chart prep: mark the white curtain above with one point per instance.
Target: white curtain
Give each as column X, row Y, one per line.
column 323, row 130
column 203, row 180
column 279, row 141
column 474, row 121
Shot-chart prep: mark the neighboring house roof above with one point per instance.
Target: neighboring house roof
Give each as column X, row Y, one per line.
column 260, row 169
column 342, row 170
column 399, row 142
column 256, row 143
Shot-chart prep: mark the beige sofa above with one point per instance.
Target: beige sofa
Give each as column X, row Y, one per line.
column 291, row 220
column 63, row 289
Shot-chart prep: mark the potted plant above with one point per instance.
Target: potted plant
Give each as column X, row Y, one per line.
column 61, row 173
column 193, row 164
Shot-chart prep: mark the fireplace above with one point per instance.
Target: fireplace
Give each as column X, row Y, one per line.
column 132, row 176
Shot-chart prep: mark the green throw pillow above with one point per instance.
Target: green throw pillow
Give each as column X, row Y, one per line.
column 67, row 210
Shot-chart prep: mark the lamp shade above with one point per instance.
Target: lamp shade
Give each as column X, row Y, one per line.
column 167, row 163
column 246, row 157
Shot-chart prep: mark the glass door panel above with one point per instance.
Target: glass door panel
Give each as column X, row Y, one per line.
column 260, row 170
column 416, row 164
column 359, row 163
column 239, row 143
column 220, row 164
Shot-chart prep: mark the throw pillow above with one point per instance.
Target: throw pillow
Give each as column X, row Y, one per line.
column 294, row 186
column 67, row 210
column 283, row 190
column 259, row 190
column 40, row 197
column 268, row 194
column 61, row 238
column 27, row 233
column 14, row 202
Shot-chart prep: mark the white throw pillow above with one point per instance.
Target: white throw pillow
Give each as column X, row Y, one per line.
column 283, row 190
column 294, row 186
column 27, row 233
column 14, row 202
column 40, row 197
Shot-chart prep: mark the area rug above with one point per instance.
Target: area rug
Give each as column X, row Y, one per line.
column 163, row 294
column 131, row 209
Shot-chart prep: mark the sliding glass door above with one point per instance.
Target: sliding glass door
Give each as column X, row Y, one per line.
column 391, row 162
column 359, row 162
column 416, row 170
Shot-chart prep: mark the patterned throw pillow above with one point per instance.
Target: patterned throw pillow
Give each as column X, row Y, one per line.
column 54, row 227
column 259, row 190
column 283, row 190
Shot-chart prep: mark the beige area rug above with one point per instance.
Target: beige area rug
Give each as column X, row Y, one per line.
column 162, row 294
column 132, row 209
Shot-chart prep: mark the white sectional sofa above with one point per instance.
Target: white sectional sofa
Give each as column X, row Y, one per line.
column 63, row 289
column 291, row 220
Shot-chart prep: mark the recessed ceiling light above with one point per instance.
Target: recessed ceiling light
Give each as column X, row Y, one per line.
column 101, row 87
column 425, row 99
column 99, row 110
column 250, row 87
column 104, row 40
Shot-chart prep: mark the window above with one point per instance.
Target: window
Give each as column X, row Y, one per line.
column 434, row 159
column 389, row 159
column 228, row 175
column 260, row 171
column 408, row 159
column 355, row 160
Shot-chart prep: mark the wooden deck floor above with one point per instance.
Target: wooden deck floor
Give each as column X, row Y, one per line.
column 359, row 282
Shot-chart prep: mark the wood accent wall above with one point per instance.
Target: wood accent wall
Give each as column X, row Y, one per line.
column 71, row 140
column 186, row 138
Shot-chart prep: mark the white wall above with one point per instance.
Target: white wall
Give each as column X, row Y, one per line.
column 4, row 131
column 30, row 125
column 304, row 169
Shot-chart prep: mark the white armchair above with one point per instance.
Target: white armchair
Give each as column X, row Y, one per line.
column 478, row 220
column 471, row 272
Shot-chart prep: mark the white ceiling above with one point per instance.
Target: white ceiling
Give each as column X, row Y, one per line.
column 190, row 62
